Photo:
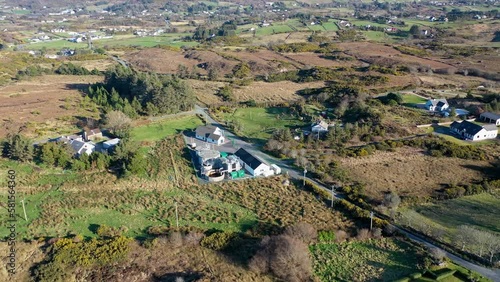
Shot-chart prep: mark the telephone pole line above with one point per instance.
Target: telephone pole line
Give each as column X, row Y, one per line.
column 24, row 209
column 176, row 216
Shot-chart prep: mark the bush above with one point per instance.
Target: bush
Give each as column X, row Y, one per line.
column 445, row 274
column 218, row 241
column 416, row 275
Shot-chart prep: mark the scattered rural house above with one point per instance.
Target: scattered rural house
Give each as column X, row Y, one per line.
column 82, row 147
column 252, row 164
column 210, row 134
column 319, row 127
column 92, row 134
column 77, row 143
column 471, row 131
column 343, row 23
column 491, row 118
column 110, row 143
column 437, row 105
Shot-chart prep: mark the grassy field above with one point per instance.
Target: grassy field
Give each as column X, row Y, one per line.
column 477, row 210
column 59, row 202
column 261, row 123
column 412, row 100
column 374, row 260
column 126, row 40
column 159, row 130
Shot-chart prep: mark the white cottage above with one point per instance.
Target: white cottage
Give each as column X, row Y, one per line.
column 474, row 132
column 210, row 134
column 252, row 164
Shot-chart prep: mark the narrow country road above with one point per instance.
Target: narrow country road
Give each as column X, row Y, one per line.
column 493, row 274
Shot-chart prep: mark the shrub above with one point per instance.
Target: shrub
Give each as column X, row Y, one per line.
column 218, row 241
column 326, row 236
column 445, row 274
column 416, row 275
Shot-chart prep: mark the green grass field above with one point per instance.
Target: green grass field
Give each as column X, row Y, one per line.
column 373, row 260
column 413, row 99
column 159, row 130
column 127, row 40
column 477, row 210
column 261, row 123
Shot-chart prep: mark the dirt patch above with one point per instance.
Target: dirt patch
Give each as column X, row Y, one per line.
column 159, row 60
column 44, row 99
column 283, row 91
column 314, row 59
column 409, row 172
column 372, row 52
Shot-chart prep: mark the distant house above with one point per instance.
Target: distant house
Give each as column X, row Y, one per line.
column 437, row 105
column 210, row 134
column 110, row 143
column 92, row 134
column 319, row 126
column 474, row 132
column 252, row 164
column 491, row 118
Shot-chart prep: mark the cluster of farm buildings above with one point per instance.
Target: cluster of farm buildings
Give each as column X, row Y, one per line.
column 87, row 142
column 215, row 165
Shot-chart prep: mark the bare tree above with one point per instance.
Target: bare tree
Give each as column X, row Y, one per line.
column 392, row 200
column 290, row 259
column 175, row 239
column 287, row 257
column 340, row 236
column 492, row 245
column 437, row 254
column 193, row 238
column 462, row 236
column 377, row 232
column 302, row 231
column 117, row 122
column 363, row 234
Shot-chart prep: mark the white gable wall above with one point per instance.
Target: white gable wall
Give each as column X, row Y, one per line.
column 484, row 134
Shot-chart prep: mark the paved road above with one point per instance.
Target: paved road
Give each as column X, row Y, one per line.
column 493, row 274
column 293, row 172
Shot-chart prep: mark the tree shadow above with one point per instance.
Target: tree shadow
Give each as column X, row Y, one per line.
column 93, row 228
column 174, row 276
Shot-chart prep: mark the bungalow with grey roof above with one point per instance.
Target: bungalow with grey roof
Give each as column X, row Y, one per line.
column 211, row 134
column 475, row 132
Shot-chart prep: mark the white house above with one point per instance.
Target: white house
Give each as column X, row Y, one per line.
column 252, row 164
column 474, row 132
column 437, row 105
column 491, row 118
column 210, row 134
column 82, row 147
column 319, row 126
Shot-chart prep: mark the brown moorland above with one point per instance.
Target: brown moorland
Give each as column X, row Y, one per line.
column 409, row 172
column 45, row 99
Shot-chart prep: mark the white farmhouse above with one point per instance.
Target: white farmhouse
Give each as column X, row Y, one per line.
column 210, row 134
column 437, row 105
column 252, row 164
column 474, row 132
column 319, row 126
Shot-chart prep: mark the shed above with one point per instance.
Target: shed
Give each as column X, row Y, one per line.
column 276, row 169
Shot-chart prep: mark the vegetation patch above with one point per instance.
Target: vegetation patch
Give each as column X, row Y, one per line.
column 383, row 259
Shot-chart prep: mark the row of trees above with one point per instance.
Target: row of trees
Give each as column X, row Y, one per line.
column 138, row 93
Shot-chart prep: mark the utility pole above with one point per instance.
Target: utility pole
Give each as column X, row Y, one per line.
column 24, row 209
column 304, row 180
column 333, row 194
column 176, row 216
column 371, row 220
